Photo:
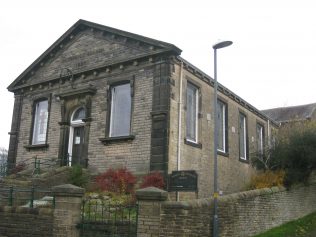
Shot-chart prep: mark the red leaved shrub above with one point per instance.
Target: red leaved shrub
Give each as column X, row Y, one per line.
column 119, row 181
column 154, row 179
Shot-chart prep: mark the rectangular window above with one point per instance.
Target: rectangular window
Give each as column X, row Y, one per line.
column 243, row 137
column 192, row 113
column 222, row 126
column 120, row 115
column 40, row 122
column 260, row 140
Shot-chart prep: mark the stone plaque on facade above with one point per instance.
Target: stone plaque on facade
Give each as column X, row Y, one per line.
column 184, row 181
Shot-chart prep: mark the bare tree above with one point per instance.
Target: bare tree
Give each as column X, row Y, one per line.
column 3, row 161
column 3, row 155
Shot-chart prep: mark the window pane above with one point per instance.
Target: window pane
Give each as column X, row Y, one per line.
column 79, row 114
column 221, row 125
column 242, row 137
column 191, row 113
column 40, row 123
column 260, row 139
column 120, row 110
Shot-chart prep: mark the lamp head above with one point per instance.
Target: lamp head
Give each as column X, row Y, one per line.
column 222, row 44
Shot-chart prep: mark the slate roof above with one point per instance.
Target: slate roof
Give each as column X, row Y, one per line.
column 293, row 113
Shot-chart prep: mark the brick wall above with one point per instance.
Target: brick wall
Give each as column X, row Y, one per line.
column 240, row 214
column 26, row 222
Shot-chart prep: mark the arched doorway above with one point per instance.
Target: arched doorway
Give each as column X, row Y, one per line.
column 76, row 137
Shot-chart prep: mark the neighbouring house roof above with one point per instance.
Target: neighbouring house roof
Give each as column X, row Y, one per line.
column 292, row 113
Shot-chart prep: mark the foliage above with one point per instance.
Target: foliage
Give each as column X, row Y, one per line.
column 267, row 179
column 78, row 177
column 303, row 227
column 18, row 168
column 105, row 206
column 294, row 151
column 154, row 179
column 119, row 181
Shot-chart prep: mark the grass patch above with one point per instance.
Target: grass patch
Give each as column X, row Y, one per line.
column 304, row 227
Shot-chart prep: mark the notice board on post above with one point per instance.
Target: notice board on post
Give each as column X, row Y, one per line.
column 183, row 181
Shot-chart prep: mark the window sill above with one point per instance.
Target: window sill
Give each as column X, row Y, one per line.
column 221, row 153
column 108, row 140
column 190, row 143
column 244, row 161
column 38, row 146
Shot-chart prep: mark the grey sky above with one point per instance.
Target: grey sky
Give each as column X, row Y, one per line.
column 271, row 63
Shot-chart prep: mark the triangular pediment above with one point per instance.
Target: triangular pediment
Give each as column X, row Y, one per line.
column 86, row 46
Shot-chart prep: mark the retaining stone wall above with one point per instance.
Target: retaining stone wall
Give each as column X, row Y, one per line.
column 26, row 222
column 240, row 214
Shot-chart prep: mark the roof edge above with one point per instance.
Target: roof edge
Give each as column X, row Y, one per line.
column 208, row 79
column 168, row 46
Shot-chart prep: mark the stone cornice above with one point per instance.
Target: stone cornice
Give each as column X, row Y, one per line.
column 119, row 64
column 153, row 45
column 222, row 89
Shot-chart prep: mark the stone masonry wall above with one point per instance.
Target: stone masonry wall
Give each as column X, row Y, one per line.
column 26, row 222
column 234, row 174
column 240, row 214
column 133, row 154
column 60, row 221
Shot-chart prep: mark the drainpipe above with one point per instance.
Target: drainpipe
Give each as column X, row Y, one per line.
column 180, row 119
column 269, row 139
column 179, row 123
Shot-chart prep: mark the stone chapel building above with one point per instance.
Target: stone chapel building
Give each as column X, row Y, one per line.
column 106, row 98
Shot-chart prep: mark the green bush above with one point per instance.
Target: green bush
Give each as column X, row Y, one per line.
column 294, row 151
column 78, row 176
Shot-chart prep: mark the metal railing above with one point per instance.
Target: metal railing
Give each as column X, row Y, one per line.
column 109, row 217
column 31, row 197
column 35, row 165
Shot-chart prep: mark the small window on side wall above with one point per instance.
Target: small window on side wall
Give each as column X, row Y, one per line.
column 222, row 126
column 243, row 140
column 120, row 114
column 260, row 140
column 192, row 113
column 40, row 122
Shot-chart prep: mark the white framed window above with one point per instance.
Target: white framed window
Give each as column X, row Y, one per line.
column 192, row 113
column 243, row 137
column 40, row 121
column 260, row 139
column 222, row 126
column 120, row 114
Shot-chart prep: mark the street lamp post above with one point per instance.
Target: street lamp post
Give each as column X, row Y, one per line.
column 219, row 45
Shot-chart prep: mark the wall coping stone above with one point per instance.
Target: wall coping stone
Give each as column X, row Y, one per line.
column 188, row 205
column 151, row 193
column 68, row 190
column 27, row 210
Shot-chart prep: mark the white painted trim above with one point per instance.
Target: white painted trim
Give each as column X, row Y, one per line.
column 73, row 124
column 223, row 108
